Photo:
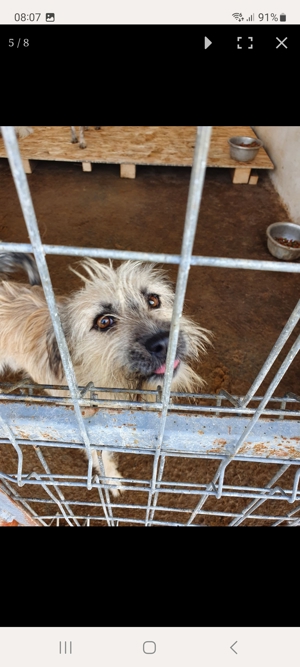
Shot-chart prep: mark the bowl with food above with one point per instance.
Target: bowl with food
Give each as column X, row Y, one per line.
column 283, row 240
column 244, row 149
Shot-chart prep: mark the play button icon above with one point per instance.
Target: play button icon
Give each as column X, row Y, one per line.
column 207, row 42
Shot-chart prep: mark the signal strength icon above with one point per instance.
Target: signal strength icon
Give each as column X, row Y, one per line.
column 238, row 17
column 251, row 18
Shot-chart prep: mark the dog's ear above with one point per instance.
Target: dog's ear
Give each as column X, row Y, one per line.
column 55, row 363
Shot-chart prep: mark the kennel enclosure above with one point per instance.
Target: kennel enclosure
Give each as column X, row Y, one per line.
column 227, row 428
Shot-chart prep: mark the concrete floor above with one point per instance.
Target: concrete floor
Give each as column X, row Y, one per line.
column 245, row 310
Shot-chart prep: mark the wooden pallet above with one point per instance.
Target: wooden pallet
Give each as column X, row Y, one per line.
column 130, row 146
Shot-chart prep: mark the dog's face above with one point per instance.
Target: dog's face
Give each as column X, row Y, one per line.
column 118, row 328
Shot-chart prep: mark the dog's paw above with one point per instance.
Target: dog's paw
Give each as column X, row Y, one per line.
column 82, row 144
column 117, row 490
column 115, row 487
column 23, row 131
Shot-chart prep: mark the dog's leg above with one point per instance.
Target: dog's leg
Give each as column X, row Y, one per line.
column 82, row 142
column 74, row 139
column 23, row 131
column 110, row 470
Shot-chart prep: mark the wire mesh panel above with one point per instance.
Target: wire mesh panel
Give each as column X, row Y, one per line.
column 222, row 435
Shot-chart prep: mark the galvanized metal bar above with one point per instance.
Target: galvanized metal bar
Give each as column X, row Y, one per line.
column 295, row 487
column 21, row 500
column 250, row 458
column 219, row 404
column 282, row 407
column 191, row 219
column 18, row 385
column 159, row 258
column 107, row 510
column 219, row 476
column 184, row 488
column 176, row 524
column 282, row 339
column 46, row 488
column 58, row 491
column 288, row 517
column 21, row 184
column 279, row 375
column 11, row 511
column 289, row 397
column 113, row 403
column 14, row 443
column 257, row 503
column 230, row 492
column 152, row 407
column 135, row 431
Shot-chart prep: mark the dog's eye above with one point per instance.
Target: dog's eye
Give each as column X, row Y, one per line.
column 105, row 322
column 153, row 300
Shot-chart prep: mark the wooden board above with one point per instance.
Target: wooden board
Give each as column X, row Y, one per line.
column 135, row 145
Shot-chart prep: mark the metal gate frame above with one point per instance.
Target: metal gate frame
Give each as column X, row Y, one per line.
column 171, row 429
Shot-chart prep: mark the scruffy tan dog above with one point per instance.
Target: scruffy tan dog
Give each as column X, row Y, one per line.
column 116, row 326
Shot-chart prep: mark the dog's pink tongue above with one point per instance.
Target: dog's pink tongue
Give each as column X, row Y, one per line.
column 162, row 369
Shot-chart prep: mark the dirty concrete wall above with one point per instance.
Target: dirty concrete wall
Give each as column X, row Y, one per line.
column 283, row 147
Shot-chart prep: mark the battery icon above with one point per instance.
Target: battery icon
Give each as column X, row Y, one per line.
column 282, row 17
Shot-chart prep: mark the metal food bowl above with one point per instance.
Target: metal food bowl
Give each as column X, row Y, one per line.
column 244, row 153
column 286, row 230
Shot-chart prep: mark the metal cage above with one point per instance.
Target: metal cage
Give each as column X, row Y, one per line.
column 223, row 428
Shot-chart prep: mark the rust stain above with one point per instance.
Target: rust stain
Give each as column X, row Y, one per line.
column 215, row 450
column 259, row 448
column 201, row 432
column 89, row 412
column 114, row 411
column 244, row 446
column 5, row 524
column 220, row 441
column 22, row 434
column 27, row 436
column 285, row 451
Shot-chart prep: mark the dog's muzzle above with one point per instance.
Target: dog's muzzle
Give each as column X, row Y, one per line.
column 158, row 346
column 148, row 357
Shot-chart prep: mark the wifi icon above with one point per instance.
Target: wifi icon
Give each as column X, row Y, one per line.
column 238, row 16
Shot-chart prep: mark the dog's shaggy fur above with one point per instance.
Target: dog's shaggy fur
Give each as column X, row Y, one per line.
column 116, row 326
column 22, row 131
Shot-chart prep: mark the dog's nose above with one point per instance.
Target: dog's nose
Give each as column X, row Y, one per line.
column 158, row 344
